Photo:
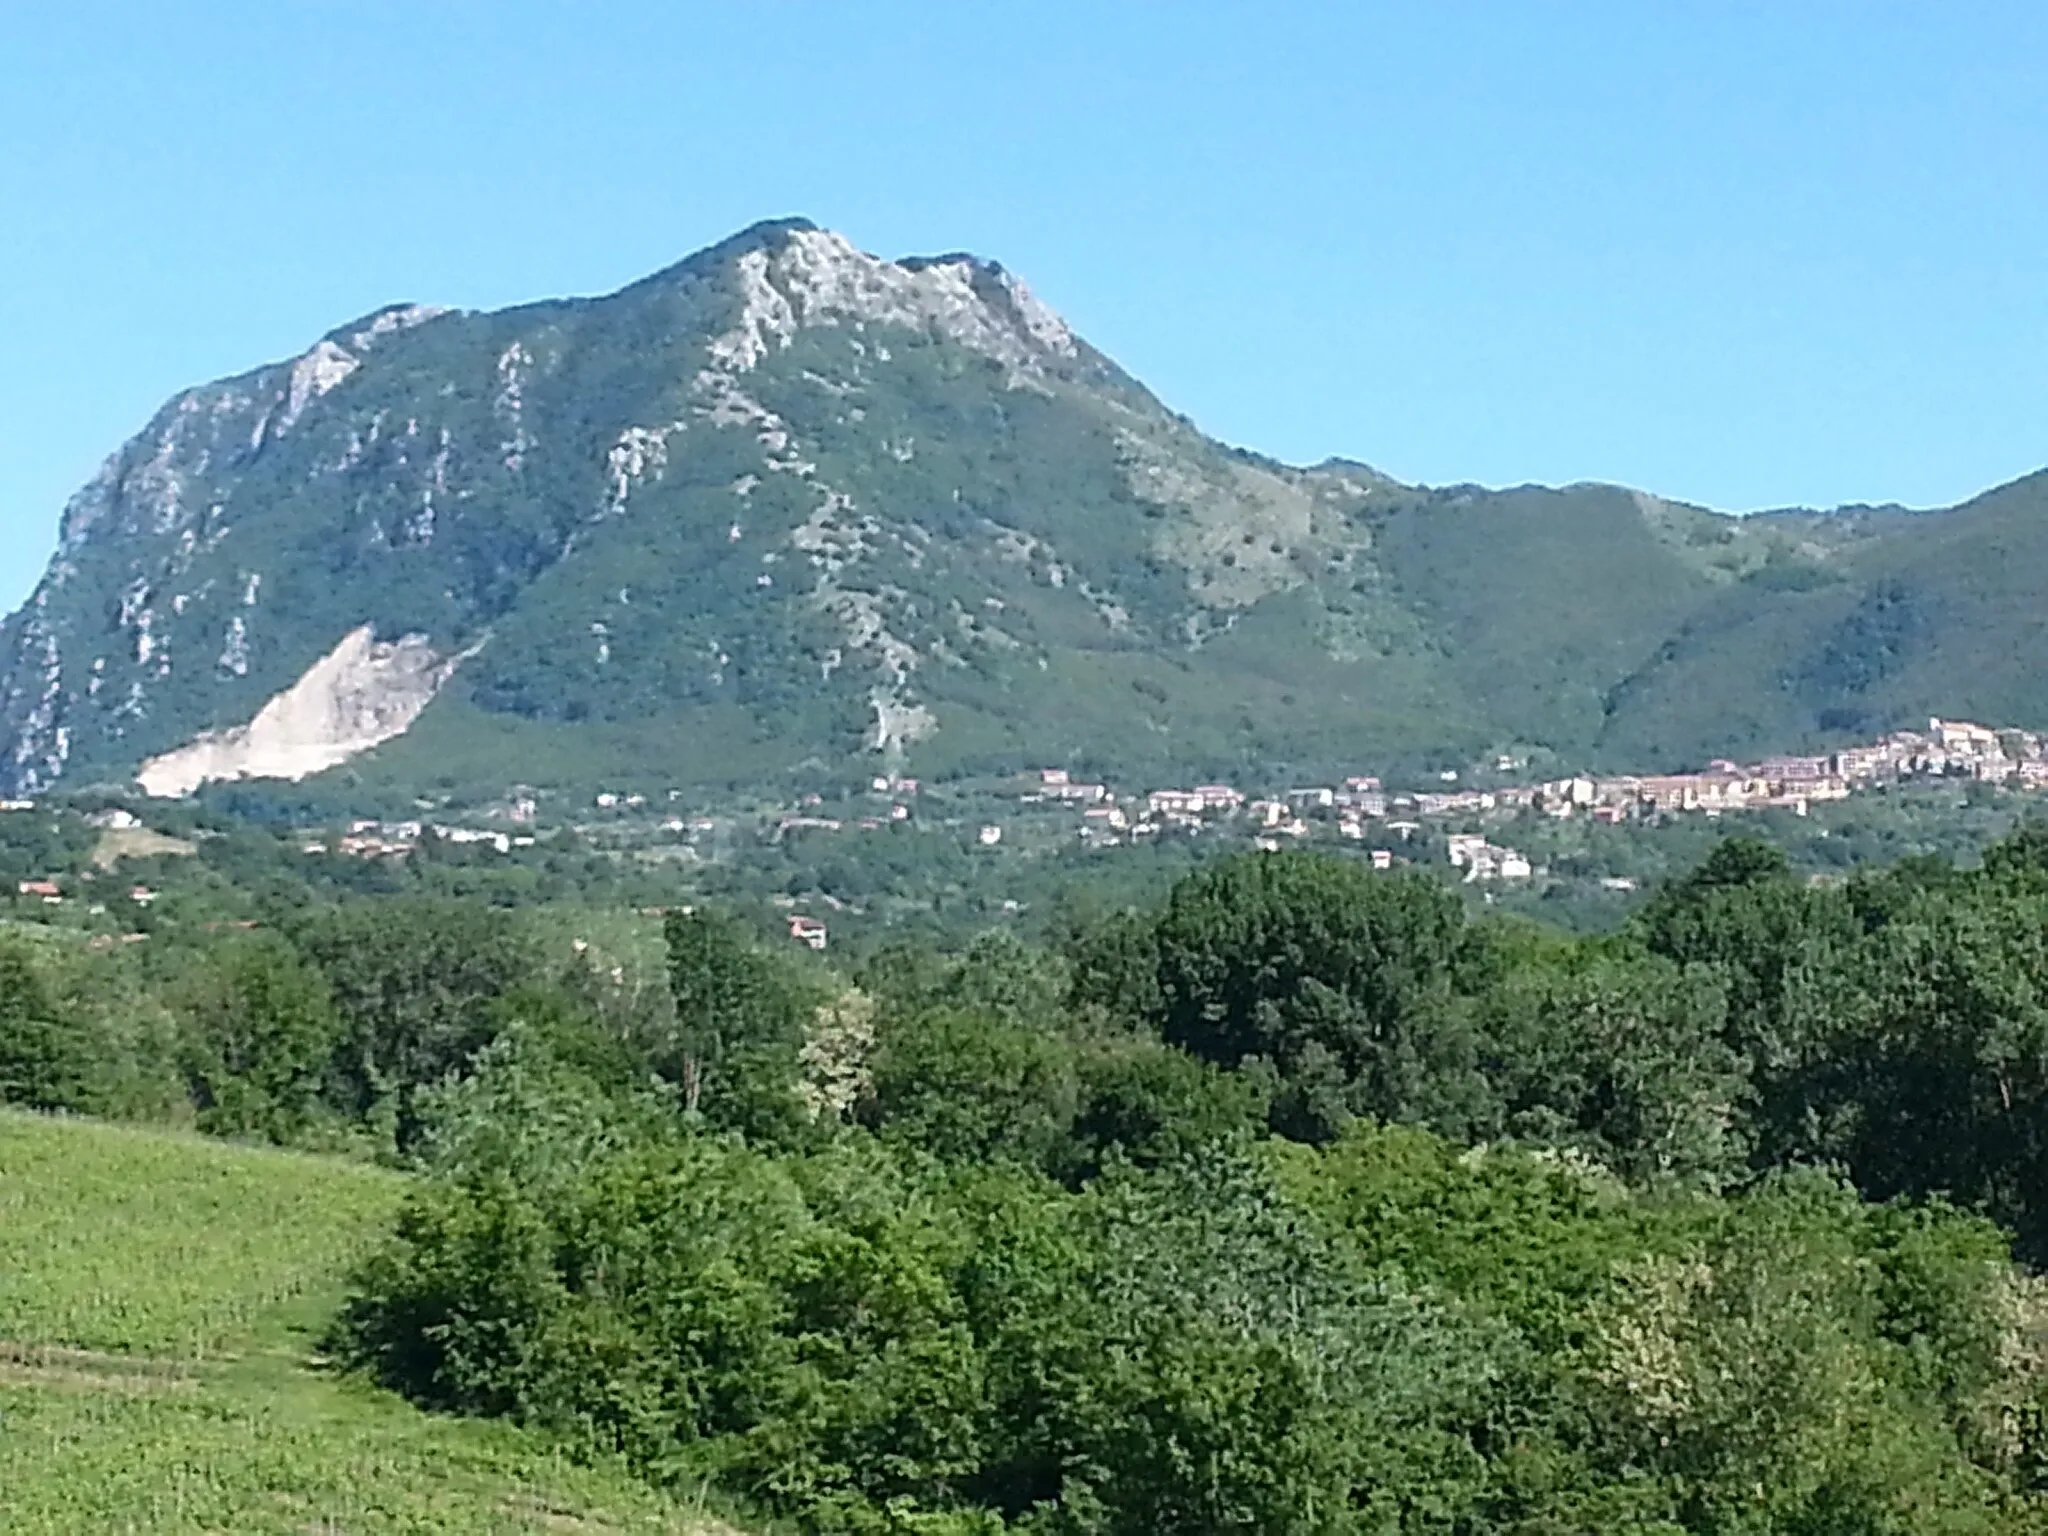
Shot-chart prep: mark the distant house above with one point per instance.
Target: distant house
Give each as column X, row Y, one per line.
column 1860, row 763
column 141, row 895
column 1462, row 846
column 47, row 889
column 807, row 930
column 799, row 823
column 1962, row 738
column 1793, row 770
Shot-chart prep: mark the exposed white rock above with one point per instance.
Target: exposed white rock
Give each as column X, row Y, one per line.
column 327, row 363
column 234, row 650
column 157, row 486
column 897, row 724
column 510, row 404
column 764, row 312
column 42, row 745
column 820, row 278
column 397, row 317
column 134, row 602
column 363, row 692
column 641, row 453
column 312, row 376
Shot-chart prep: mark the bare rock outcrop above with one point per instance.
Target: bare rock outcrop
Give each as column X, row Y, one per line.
column 362, row 692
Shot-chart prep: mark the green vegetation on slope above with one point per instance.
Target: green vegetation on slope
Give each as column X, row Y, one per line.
column 755, row 520
column 161, row 1299
column 131, row 1241
column 1298, row 1201
column 1276, row 1194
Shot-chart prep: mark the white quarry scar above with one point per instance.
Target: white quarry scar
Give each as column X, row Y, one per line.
column 362, row 692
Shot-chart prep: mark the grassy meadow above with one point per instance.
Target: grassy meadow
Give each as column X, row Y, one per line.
column 161, row 1301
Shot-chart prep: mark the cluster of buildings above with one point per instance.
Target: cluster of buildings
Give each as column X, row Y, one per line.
column 1946, row 749
column 369, row 839
column 51, row 894
column 1362, row 807
column 1108, row 820
column 1481, row 860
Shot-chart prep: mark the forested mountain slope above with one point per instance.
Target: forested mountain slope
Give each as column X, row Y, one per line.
column 786, row 506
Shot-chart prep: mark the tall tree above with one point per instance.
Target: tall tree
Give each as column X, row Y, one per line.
column 740, row 1025
column 415, row 979
column 45, row 1061
column 1343, row 979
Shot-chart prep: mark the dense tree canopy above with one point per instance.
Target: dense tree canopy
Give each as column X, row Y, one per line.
column 1301, row 1201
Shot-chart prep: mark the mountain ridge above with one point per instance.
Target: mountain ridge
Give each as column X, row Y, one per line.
column 784, row 506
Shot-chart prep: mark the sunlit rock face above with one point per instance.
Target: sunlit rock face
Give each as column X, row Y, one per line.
column 361, row 693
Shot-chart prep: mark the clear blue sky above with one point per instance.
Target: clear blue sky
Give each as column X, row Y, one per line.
column 1746, row 254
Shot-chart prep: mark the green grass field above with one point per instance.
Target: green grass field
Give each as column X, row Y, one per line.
column 161, row 1298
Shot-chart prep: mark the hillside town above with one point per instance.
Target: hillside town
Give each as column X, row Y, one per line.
column 1471, row 828
column 1361, row 809
column 1362, row 806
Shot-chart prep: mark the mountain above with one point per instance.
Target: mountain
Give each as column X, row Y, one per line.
column 786, row 510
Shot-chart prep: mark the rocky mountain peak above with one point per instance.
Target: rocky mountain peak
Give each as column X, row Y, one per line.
column 793, row 275
column 788, row 504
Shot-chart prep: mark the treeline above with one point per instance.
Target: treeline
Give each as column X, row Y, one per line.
column 320, row 1030
column 1301, row 1203
column 1894, row 1025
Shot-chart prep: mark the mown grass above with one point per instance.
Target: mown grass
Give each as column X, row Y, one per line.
column 161, row 1302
